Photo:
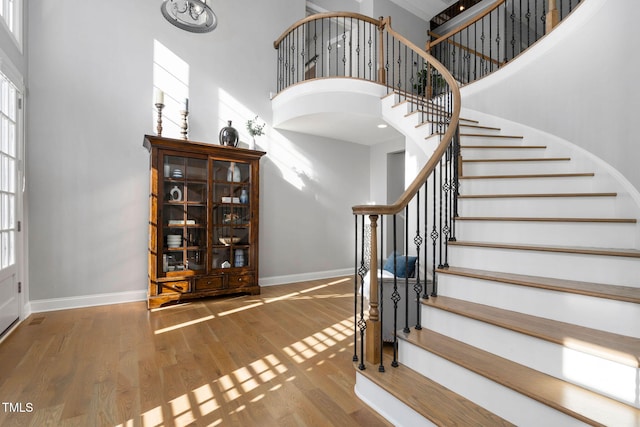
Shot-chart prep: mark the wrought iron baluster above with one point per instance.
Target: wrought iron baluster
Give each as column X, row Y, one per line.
column 386, row 62
column 512, row 16
column 538, row 20
column 395, row 297
column 328, row 42
column 362, row 324
column 434, row 231
column 399, row 68
column 370, row 62
column 425, row 294
column 337, row 21
column 406, row 329
column 482, row 60
column 498, row 38
column 294, row 58
column 491, row 41
column 448, row 207
column 528, row 16
column 344, row 46
column 417, row 240
column 358, row 65
column 440, row 218
column 456, row 180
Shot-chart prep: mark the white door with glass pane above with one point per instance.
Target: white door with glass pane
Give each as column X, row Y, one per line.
column 10, row 199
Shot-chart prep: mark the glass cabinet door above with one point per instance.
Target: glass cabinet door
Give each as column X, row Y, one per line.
column 231, row 214
column 184, row 214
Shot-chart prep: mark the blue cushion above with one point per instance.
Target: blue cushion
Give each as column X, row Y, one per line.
column 405, row 265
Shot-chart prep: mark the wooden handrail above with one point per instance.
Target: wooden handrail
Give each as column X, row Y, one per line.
column 440, row 150
column 471, row 51
column 466, row 24
column 325, row 15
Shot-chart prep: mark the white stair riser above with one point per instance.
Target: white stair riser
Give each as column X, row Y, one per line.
column 603, row 376
column 618, row 317
column 467, row 128
column 592, row 234
column 407, row 125
column 387, row 405
column 517, row 168
column 574, row 207
column 488, row 139
column 527, row 185
column 611, row 270
column 502, row 153
column 502, row 401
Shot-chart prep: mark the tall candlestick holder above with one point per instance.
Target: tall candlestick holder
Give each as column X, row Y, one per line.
column 159, row 107
column 185, row 126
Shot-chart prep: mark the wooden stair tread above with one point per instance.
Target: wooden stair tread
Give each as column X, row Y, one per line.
column 607, row 345
column 514, row 147
column 599, row 290
column 492, row 136
column 527, row 159
column 548, row 219
column 582, row 404
column 630, row 253
column 479, row 127
column 428, row 398
column 532, row 175
column 514, row 195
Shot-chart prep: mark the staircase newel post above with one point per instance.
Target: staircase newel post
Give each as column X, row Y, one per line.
column 373, row 331
column 553, row 16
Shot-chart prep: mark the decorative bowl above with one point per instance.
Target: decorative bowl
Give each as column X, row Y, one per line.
column 229, row 240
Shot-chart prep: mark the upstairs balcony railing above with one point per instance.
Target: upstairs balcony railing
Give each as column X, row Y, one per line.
column 496, row 35
column 354, row 46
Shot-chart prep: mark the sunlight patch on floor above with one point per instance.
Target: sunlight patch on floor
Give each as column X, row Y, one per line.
column 290, row 296
column 268, row 372
column 311, row 346
column 184, row 324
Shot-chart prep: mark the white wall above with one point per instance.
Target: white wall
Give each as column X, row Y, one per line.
column 579, row 83
column 402, row 21
column 90, row 96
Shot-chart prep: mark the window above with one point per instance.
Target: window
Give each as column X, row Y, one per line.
column 8, row 171
column 11, row 12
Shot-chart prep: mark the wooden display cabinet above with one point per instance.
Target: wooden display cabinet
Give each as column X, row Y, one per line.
column 203, row 220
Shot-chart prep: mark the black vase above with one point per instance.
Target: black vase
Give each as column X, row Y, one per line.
column 229, row 136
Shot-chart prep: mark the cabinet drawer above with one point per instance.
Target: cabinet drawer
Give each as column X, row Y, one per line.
column 209, row 283
column 181, row 286
column 241, row 280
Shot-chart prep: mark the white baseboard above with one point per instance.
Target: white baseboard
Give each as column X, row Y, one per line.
column 303, row 277
column 39, row 306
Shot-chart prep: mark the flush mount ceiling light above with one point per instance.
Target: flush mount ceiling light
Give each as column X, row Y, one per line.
column 190, row 15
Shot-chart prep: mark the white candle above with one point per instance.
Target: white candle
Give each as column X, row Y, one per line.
column 186, row 104
column 159, row 96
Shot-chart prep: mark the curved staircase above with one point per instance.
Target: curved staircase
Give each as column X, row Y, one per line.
column 537, row 318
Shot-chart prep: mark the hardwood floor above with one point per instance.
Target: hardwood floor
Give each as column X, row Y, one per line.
column 282, row 358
